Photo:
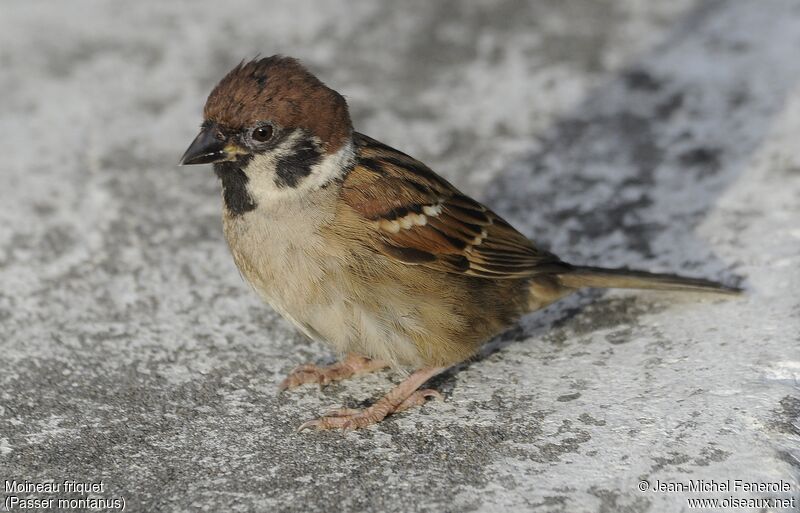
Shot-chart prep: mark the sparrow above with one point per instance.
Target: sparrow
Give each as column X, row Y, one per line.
column 365, row 248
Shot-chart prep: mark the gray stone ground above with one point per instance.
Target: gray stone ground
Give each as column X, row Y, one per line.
column 661, row 135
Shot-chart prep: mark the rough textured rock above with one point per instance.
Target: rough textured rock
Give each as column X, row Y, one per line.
column 660, row 135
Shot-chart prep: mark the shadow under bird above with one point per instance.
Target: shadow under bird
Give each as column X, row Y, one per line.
column 365, row 248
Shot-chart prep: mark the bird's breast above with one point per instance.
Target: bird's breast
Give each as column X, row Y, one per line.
column 280, row 250
column 308, row 279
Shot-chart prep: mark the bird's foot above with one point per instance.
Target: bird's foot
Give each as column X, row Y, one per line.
column 402, row 397
column 347, row 368
column 349, row 418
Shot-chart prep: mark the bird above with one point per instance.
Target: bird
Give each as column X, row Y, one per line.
column 365, row 248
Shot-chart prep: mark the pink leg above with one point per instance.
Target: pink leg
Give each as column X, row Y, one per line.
column 352, row 365
column 403, row 396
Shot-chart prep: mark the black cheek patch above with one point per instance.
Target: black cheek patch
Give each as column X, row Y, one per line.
column 296, row 165
column 234, row 186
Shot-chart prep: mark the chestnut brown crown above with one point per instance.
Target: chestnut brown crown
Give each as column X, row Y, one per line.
column 281, row 90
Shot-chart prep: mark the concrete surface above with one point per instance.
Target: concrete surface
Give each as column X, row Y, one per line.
column 661, row 135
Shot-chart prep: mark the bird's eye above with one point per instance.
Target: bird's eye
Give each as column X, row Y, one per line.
column 262, row 133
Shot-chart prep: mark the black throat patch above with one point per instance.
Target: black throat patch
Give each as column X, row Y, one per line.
column 234, row 187
column 297, row 163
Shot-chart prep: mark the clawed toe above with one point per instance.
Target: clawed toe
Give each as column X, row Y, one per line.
column 341, row 412
column 343, row 420
column 310, row 373
column 349, row 418
column 419, row 398
column 303, row 374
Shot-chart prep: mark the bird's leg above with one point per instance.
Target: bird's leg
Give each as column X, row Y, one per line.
column 309, row 373
column 402, row 397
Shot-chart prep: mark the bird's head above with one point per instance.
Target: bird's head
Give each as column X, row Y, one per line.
column 272, row 130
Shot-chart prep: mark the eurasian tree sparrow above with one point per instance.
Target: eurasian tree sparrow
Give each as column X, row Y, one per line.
column 365, row 248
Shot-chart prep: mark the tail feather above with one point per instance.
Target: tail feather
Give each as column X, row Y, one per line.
column 597, row 277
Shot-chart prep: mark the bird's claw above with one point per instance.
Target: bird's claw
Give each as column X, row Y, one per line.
column 348, row 419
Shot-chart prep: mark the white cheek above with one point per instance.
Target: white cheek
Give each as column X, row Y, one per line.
column 261, row 173
column 261, row 179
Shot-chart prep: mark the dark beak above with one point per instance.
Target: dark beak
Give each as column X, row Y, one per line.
column 205, row 149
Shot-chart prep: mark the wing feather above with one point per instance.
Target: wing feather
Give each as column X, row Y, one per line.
column 419, row 218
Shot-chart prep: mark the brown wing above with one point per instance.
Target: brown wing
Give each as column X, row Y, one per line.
column 419, row 218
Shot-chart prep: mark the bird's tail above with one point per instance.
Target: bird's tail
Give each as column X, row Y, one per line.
column 597, row 277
